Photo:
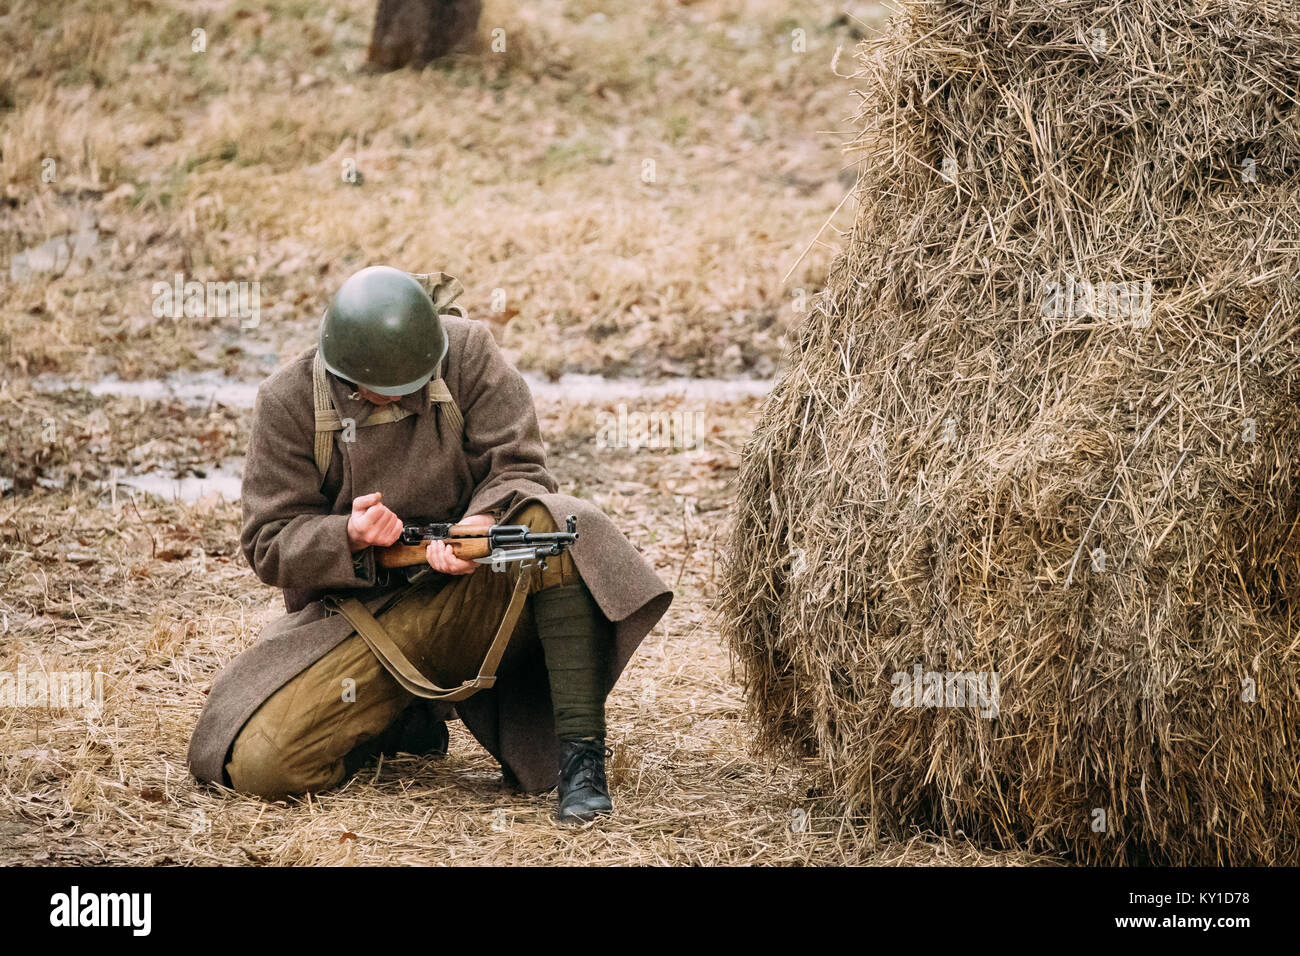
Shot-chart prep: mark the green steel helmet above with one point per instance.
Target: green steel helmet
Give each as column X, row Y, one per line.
column 382, row 331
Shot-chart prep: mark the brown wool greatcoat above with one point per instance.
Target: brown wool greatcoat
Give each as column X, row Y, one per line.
column 295, row 537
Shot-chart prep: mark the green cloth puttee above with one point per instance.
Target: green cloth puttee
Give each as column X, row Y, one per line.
column 576, row 638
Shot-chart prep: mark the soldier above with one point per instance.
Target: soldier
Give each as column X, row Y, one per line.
column 407, row 411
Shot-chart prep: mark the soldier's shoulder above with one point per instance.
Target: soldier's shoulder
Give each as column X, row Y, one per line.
column 291, row 383
column 464, row 333
column 469, row 341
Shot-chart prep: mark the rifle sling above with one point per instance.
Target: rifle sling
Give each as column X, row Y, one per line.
column 407, row 674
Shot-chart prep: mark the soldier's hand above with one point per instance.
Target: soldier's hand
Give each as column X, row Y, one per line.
column 372, row 523
column 442, row 558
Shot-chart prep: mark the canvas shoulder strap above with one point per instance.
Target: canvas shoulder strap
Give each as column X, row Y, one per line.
column 328, row 420
column 440, row 395
column 406, row 674
column 327, row 416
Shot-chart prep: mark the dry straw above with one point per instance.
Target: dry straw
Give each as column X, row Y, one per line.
column 1098, row 501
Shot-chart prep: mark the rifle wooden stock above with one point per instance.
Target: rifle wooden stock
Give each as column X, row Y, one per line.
column 467, row 548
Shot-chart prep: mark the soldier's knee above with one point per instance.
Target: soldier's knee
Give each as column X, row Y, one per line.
column 537, row 517
column 258, row 767
column 560, row 570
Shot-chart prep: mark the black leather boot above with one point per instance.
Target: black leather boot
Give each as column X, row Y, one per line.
column 583, row 792
column 421, row 731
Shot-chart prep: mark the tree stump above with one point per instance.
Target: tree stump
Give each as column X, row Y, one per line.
column 416, row 32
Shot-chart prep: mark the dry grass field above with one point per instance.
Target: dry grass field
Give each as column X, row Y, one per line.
column 522, row 173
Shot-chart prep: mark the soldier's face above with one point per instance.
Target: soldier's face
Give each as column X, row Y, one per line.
column 374, row 399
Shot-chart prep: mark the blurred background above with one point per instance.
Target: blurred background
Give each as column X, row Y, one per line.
column 632, row 184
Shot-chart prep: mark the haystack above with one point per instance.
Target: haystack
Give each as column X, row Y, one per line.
column 1040, row 434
